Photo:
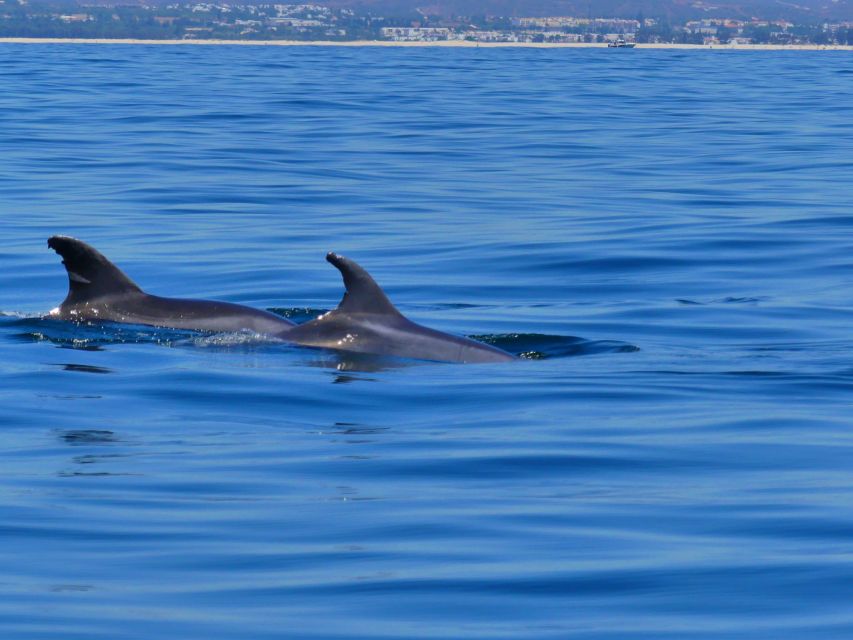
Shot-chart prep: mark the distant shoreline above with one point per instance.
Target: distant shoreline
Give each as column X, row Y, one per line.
column 442, row 43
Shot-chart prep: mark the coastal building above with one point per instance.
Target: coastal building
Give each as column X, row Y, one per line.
column 550, row 22
column 192, row 33
column 415, row 34
column 297, row 22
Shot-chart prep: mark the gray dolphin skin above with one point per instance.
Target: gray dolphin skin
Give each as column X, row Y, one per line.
column 99, row 290
column 365, row 321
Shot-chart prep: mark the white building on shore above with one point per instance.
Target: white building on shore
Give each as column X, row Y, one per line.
column 416, row 34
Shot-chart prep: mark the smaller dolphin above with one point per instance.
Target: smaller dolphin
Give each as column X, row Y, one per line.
column 366, row 322
column 99, row 290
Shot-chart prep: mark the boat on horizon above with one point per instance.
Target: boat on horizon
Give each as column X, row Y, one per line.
column 621, row 43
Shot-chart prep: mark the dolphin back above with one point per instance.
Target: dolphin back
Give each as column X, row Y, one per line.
column 90, row 274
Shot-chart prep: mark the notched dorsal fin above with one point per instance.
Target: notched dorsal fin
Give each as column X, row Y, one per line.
column 90, row 274
column 362, row 295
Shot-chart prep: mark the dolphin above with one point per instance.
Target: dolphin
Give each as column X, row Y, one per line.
column 365, row 321
column 99, row 290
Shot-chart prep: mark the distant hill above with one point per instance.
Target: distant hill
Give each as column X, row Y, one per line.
column 794, row 10
column 678, row 11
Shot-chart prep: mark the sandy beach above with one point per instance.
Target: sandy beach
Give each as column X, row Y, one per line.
column 443, row 43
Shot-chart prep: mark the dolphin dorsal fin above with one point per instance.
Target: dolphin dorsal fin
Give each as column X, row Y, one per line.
column 362, row 295
column 90, row 274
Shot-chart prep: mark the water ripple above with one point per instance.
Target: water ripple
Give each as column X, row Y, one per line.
column 664, row 236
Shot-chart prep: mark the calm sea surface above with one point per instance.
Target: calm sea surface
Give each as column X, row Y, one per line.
column 666, row 235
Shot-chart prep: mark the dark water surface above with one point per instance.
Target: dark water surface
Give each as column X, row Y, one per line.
column 667, row 235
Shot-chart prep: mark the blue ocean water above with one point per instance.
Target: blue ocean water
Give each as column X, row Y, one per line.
column 666, row 235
